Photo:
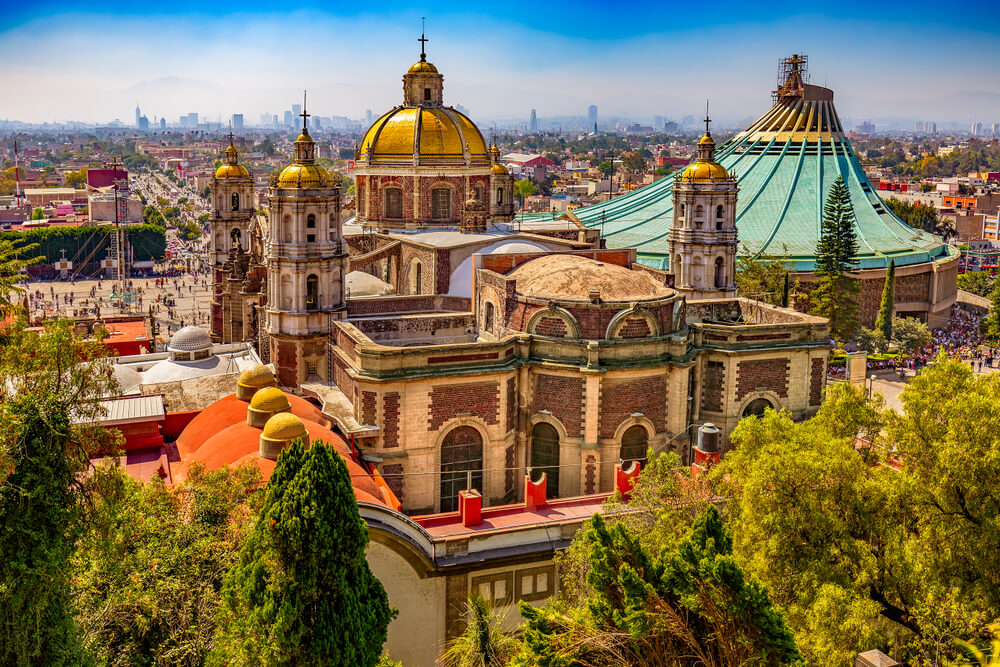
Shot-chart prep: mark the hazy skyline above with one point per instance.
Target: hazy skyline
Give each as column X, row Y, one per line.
column 60, row 63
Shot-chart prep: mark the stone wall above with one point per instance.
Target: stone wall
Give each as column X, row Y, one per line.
column 480, row 399
column 621, row 399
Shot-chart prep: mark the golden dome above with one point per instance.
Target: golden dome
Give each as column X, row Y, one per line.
column 258, row 376
column 704, row 172
column 706, row 139
column 270, row 399
column 232, row 171
column 498, row 170
column 441, row 135
column 423, row 67
column 304, row 176
column 303, row 137
column 284, row 426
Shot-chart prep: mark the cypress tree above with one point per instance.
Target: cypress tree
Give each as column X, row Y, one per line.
column 884, row 321
column 836, row 255
column 302, row 591
column 784, row 292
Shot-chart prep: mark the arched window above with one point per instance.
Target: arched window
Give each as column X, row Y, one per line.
column 416, row 276
column 236, row 201
column 718, row 217
column 311, row 221
column 441, row 203
column 545, row 457
column 394, row 203
column 720, row 272
column 479, row 192
column 312, row 293
column 461, row 454
column 757, row 407
column 488, row 320
column 499, row 196
column 635, row 444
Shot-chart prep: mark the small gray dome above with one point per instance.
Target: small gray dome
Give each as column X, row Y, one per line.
column 190, row 339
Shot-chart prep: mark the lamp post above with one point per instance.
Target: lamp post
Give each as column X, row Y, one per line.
column 871, row 383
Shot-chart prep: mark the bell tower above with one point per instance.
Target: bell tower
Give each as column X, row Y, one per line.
column 232, row 214
column 702, row 238
column 306, row 265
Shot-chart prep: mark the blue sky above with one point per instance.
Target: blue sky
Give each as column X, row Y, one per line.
column 917, row 60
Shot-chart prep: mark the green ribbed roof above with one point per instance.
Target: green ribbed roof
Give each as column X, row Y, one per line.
column 784, row 164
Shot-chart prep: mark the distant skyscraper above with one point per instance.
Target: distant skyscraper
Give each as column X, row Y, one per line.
column 265, row 119
column 237, row 122
column 138, row 115
column 931, row 127
column 995, row 130
column 657, row 122
column 592, row 115
column 976, row 130
column 296, row 111
column 289, row 119
column 368, row 117
column 533, row 123
column 192, row 121
column 163, row 123
column 918, row 126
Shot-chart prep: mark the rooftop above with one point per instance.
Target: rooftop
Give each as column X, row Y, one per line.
column 571, row 277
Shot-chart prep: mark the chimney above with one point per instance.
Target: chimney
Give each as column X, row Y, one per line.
column 595, row 295
column 534, row 492
column 470, row 507
column 625, row 479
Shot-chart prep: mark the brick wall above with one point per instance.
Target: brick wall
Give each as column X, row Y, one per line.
column 712, row 386
column 369, row 402
column 511, row 404
column 390, row 419
column 509, row 464
column 286, row 362
column 341, row 378
column 816, row 381
column 442, row 267
column 634, row 327
column 563, row 397
column 763, row 374
column 392, row 473
column 481, row 399
column 619, row 400
column 590, row 475
column 551, row 326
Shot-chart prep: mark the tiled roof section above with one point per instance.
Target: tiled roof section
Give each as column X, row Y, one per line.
column 132, row 409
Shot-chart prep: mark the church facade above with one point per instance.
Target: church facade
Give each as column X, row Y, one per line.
column 505, row 353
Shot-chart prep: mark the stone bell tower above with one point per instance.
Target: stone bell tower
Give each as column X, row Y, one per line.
column 702, row 237
column 306, row 265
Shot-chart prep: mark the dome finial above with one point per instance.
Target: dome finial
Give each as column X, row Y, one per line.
column 423, row 40
column 708, row 120
column 304, row 114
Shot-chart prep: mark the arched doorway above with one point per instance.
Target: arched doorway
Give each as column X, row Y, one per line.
column 545, row 457
column 635, row 444
column 756, row 407
column 461, row 454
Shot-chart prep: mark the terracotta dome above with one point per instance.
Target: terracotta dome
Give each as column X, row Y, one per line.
column 571, row 278
column 270, row 399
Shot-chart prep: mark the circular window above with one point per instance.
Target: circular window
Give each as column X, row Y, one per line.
column 757, row 407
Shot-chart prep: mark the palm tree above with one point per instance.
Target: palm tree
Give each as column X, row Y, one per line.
column 484, row 643
column 11, row 267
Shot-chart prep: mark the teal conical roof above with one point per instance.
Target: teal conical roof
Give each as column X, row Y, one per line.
column 784, row 163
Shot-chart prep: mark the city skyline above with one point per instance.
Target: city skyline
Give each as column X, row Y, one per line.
column 215, row 65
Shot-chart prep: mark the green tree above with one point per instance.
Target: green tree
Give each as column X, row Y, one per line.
column 634, row 163
column 895, row 543
column 910, row 334
column 52, row 384
column 189, row 231
column 75, row 179
column 692, row 605
column 764, row 277
column 993, row 317
column 151, row 560
column 12, row 266
column 524, row 188
column 38, row 213
column 884, row 321
column 205, row 192
column 977, row 282
column 835, row 295
column 483, row 643
column 872, row 340
column 607, row 168
column 302, row 592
